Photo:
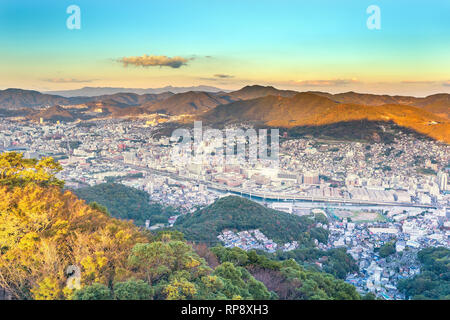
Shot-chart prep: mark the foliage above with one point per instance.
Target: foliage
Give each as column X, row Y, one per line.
column 287, row 279
column 133, row 290
column 387, row 249
column 15, row 170
column 334, row 261
column 434, row 280
column 237, row 213
column 96, row 291
column 45, row 230
column 126, row 203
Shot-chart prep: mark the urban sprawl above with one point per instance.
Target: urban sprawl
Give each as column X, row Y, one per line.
column 370, row 193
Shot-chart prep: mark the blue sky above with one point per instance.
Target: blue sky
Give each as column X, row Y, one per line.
column 304, row 45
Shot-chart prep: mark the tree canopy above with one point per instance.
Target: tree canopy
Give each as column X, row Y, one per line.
column 15, row 170
column 433, row 282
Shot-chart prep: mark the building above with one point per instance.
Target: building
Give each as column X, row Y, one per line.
column 442, row 180
column 311, row 177
column 352, row 180
column 282, row 206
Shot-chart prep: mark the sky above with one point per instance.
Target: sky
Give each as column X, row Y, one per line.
column 321, row 45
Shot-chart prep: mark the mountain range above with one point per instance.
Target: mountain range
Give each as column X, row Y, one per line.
column 268, row 105
column 97, row 91
column 310, row 109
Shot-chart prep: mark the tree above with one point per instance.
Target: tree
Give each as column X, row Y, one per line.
column 258, row 290
column 44, row 230
column 369, row 296
column 387, row 249
column 434, row 280
column 16, row 171
column 96, row 291
column 133, row 290
column 159, row 259
column 180, row 289
column 126, row 203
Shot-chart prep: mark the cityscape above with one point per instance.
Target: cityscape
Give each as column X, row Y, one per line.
column 238, row 158
column 371, row 194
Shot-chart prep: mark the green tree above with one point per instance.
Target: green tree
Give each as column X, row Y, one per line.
column 96, row 291
column 387, row 249
column 133, row 290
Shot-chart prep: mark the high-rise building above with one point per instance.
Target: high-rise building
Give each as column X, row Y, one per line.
column 442, row 180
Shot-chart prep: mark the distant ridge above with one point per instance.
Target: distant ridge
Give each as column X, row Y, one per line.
column 256, row 91
column 97, row 91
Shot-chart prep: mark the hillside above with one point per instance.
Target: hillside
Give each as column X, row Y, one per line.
column 15, row 99
column 433, row 282
column 270, row 108
column 437, row 103
column 131, row 99
column 236, row 213
column 186, row 103
column 55, row 113
column 309, row 109
column 125, row 203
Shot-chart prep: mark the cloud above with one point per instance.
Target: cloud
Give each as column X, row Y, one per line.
column 326, row 83
column 67, row 80
column 152, row 61
column 446, row 83
column 417, row 82
column 223, row 76
column 217, row 77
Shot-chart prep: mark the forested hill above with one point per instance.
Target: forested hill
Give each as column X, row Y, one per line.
column 433, row 282
column 126, row 203
column 240, row 214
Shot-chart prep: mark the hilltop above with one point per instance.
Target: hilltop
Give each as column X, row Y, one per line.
column 256, row 91
column 237, row 213
column 191, row 102
column 15, row 99
column 55, row 113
